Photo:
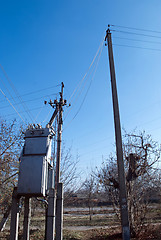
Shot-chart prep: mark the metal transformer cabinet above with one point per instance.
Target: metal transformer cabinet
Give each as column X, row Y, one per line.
column 35, row 163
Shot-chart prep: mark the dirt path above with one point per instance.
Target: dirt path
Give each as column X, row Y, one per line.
column 86, row 228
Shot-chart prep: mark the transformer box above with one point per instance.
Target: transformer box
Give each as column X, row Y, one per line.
column 36, row 167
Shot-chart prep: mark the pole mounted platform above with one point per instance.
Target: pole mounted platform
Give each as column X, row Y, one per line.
column 118, row 137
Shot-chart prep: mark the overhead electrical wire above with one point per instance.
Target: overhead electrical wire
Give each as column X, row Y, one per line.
column 11, row 98
column 133, row 33
column 81, row 85
column 122, row 45
column 43, row 89
column 54, row 94
column 146, row 48
column 137, row 40
column 39, row 112
column 89, row 84
column 46, row 117
column 94, row 72
column 13, row 89
column 17, row 94
column 10, row 114
column 137, row 29
column 8, row 91
column 12, row 106
column 19, row 97
column 30, row 100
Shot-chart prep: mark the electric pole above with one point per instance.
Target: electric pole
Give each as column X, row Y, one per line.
column 118, row 138
column 58, row 185
column 61, row 103
column 58, row 105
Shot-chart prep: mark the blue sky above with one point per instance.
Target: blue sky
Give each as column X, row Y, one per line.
column 44, row 43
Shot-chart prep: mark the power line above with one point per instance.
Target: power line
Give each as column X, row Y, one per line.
column 46, row 117
column 82, row 83
column 30, row 93
column 33, row 109
column 39, row 112
column 138, row 34
column 12, row 98
column 137, row 40
column 43, row 89
column 94, row 72
column 89, row 85
column 137, row 29
column 16, row 92
column 12, row 105
column 30, row 100
column 153, row 49
column 79, row 84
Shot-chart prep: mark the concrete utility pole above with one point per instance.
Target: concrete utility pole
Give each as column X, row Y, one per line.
column 50, row 216
column 120, row 162
column 61, row 103
column 58, row 185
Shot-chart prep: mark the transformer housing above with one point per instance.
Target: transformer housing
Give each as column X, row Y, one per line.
column 36, row 167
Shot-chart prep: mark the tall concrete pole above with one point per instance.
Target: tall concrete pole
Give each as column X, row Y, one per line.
column 59, row 137
column 50, row 216
column 58, row 185
column 120, row 162
column 59, row 212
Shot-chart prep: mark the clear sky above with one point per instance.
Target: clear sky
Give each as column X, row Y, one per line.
column 44, row 43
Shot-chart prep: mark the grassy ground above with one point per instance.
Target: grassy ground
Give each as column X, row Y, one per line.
column 77, row 226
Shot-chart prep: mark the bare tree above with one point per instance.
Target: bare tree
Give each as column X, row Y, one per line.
column 89, row 189
column 141, row 154
column 69, row 173
column 11, row 138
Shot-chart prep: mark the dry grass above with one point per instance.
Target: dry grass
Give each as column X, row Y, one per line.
column 104, row 225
